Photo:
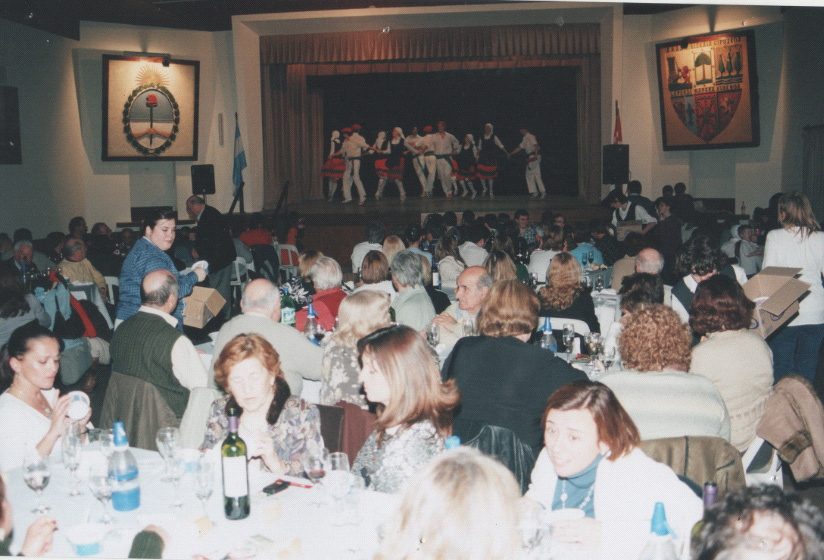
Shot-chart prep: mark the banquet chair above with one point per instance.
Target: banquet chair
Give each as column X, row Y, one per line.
column 762, row 465
column 240, row 277
column 196, row 416
column 266, row 262
column 505, row 446
column 288, row 262
column 111, row 283
column 331, row 426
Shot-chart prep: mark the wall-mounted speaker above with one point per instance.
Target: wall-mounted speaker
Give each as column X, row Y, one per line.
column 616, row 164
column 203, row 179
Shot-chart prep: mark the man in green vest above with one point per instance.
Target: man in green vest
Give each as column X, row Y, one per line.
column 149, row 346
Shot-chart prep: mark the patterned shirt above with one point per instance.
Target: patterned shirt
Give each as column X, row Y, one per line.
column 339, row 379
column 296, row 430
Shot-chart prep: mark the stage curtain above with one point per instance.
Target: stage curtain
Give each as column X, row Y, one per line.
column 813, row 168
column 588, row 82
column 292, row 121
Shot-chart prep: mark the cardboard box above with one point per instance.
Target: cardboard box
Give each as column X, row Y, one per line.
column 623, row 228
column 201, row 306
column 776, row 294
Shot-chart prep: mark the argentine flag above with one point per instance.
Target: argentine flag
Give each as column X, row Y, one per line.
column 240, row 160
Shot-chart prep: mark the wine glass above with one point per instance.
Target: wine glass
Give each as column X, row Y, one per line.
column 106, row 439
column 609, row 357
column 319, row 333
column 592, row 256
column 168, row 442
column 469, row 328
column 433, row 335
column 599, row 283
column 315, row 465
column 177, row 466
column 36, row 473
column 101, row 486
column 204, row 483
column 339, row 479
column 585, row 260
column 72, row 444
column 569, row 336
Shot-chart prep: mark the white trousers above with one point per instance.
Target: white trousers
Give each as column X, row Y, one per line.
column 448, row 183
column 350, row 174
column 534, row 183
column 431, row 164
column 417, row 164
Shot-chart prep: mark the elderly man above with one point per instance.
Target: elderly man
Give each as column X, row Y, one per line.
column 299, row 358
column 473, row 287
column 21, row 258
column 148, row 345
column 412, row 305
column 375, row 233
column 472, row 250
column 78, row 268
column 214, row 244
column 327, row 277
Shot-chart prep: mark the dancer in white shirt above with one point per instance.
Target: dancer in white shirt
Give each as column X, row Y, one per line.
column 445, row 146
column 427, row 150
column 353, row 146
column 534, row 183
column 412, row 142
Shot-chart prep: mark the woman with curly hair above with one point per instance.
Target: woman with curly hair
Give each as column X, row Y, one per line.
column 735, row 358
column 656, row 388
column 563, row 296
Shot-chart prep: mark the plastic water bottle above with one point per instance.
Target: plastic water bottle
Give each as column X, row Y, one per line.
column 287, row 308
column 436, row 276
column 660, row 545
column 311, row 324
column 452, row 442
column 548, row 341
column 123, row 473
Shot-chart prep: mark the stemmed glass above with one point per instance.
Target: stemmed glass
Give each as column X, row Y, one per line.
column 168, row 443
column 106, row 439
column 101, row 486
column 338, row 478
column 36, row 473
column 609, row 358
column 569, row 336
column 204, row 483
column 592, row 256
column 433, row 335
column 318, row 332
column 585, row 260
column 315, row 465
column 72, row 443
column 469, row 328
column 177, row 466
column 599, row 283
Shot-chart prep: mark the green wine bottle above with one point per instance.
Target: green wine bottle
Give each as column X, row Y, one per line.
column 235, row 472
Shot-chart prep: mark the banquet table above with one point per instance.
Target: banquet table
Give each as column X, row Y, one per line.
column 285, row 525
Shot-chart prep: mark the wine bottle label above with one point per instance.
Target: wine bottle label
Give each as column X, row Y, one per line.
column 235, row 483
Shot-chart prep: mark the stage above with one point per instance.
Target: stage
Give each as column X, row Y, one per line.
column 335, row 228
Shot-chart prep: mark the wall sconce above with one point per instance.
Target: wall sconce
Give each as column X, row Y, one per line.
column 165, row 58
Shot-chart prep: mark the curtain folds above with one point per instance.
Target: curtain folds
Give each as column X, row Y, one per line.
column 588, row 81
column 813, row 168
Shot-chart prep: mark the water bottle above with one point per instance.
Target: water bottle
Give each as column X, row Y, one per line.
column 436, row 276
column 123, row 473
column 287, row 308
column 311, row 324
column 660, row 545
column 452, row 442
column 548, row 341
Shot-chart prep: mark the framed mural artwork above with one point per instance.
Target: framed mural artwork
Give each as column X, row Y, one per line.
column 709, row 91
column 150, row 109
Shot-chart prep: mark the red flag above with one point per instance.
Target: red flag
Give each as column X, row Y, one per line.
column 616, row 135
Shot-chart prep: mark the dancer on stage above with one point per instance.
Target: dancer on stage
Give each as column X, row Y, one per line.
column 334, row 166
column 379, row 148
column 353, row 146
column 489, row 148
column 427, row 150
column 466, row 160
column 412, row 142
column 394, row 163
column 445, row 146
column 533, row 164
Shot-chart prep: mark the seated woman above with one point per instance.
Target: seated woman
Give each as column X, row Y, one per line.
column 375, row 275
column 450, row 262
column 392, row 245
column 400, row 372
column 503, row 380
column 32, row 412
column 592, row 462
column 563, row 296
column 637, row 291
column 16, row 306
column 506, row 244
column 359, row 314
column 552, row 243
column 277, row 427
column 326, row 278
column 444, row 512
column 500, row 266
column 663, row 399
column 734, row 358
column 301, row 287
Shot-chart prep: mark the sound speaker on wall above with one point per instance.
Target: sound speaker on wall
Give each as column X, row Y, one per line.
column 616, row 164
column 203, row 179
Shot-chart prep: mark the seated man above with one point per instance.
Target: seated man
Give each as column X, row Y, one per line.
column 412, row 305
column 148, row 345
column 299, row 358
column 21, row 259
column 472, row 250
column 41, row 261
column 77, row 268
column 583, row 246
column 473, row 287
column 375, row 233
column 327, row 277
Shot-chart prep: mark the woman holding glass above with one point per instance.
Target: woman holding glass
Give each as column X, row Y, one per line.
column 32, row 412
column 278, row 428
column 400, row 373
column 563, row 296
column 359, row 314
column 592, row 463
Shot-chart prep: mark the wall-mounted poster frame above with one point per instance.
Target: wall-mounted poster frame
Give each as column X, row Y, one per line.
column 150, row 109
column 10, row 149
column 708, row 88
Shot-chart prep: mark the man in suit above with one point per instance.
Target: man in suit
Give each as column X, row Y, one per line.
column 21, row 259
column 214, row 244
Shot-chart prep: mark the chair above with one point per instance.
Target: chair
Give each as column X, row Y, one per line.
column 240, row 276
column 762, row 465
column 502, row 444
column 140, row 406
column 288, row 262
column 266, row 262
column 111, row 283
column 331, row 426
column 193, row 423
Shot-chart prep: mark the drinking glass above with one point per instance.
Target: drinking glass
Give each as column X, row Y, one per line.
column 592, row 256
column 177, row 466
column 204, row 483
column 168, row 443
column 339, row 479
column 569, row 337
column 533, row 279
column 319, row 333
column 599, row 283
column 584, row 260
column 315, row 466
column 72, row 444
column 101, row 486
column 609, row 358
column 106, row 439
column 36, row 473
column 433, row 335
column 469, row 328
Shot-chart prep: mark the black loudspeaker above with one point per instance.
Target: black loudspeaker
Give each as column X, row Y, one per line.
column 616, row 164
column 203, row 179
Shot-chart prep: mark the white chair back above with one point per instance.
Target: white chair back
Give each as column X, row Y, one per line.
column 111, row 282
column 288, row 261
column 770, row 474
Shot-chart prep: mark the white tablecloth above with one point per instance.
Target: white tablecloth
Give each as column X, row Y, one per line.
column 286, row 521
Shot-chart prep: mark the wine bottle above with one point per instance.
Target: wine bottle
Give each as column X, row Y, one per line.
column 235, row 472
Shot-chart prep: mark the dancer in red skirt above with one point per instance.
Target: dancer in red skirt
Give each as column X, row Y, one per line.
column 394, row 163
column 490, row 149
column 334, row 165
column 466, row 160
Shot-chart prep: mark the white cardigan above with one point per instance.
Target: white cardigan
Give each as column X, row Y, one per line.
column 626, row 491
column 786, row 248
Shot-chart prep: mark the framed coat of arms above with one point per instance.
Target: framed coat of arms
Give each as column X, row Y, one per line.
column 150, row 108
column 709, row 91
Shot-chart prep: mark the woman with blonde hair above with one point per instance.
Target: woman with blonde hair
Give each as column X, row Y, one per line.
column 277, row 426
column 444, row 512
column 798, row 244
column 400, row 372
column 392, row 245
column 359, row 314
column 450, row 262
column 500, row 266
column 301, row 287
column 656, row 387
column 563, row 296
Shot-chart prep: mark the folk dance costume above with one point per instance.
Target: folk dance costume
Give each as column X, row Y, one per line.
column 380, row 160
column 394, row 163
column 427, row 149
column 334, row 166
column 534, row 183
column 445, row 145
column 466, row 160
column 353, row 146
column 412, row 142
column 489, row 148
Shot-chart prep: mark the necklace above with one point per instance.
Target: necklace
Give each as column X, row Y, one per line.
column 564, row 496
column 38, row 403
